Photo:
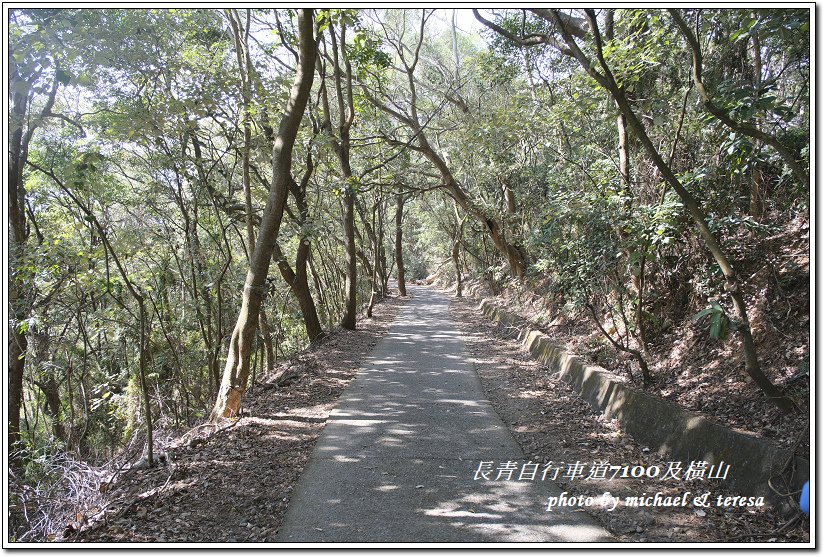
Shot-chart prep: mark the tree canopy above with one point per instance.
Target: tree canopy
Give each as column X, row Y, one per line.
column 196, row 193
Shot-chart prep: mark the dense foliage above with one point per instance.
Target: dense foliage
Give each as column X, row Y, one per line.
column 141, row 159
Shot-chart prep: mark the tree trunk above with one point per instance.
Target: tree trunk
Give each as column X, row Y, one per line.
column 19, row 306
column 266, row 333
column 374, row 293
column 350, row 289
column 623, row 152
column 372, row 265
column 236, row 371
column 756, row 205
column 300, row 277
column 399, row 200
column 607, row 81
column 380, row 252
column 144, row 386
column 509, row 197
column 314, row 331
column 53, row 405
column 456, row 252
column 298, row 281
column 752, row 366
column 515, row 258
column 637, row 270
column 18, row 346
column 514, row 255
column 798, row 170
column 341, row 145
column 245, row 68
column 456, row 259
column 211, row 338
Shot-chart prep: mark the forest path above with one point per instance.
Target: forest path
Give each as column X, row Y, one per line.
column 396, row 461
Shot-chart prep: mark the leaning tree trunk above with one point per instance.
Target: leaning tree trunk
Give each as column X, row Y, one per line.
column 298, row 281
column 567, row 28
column 301, row 290
column 514, row 256
column 245, row 68
column 236, row 371
column 753, row 131
column 732, row 283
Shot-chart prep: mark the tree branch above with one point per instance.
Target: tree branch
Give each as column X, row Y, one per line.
column 749, row 130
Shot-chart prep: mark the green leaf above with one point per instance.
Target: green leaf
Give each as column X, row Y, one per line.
column 702, row 313
column 718, row 326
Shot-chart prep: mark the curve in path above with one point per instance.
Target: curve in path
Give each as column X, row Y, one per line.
column 396, row 461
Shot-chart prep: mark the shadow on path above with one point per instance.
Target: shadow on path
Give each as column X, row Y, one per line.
column 396, row 462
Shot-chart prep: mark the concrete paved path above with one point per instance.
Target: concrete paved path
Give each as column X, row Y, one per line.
column 397, row 459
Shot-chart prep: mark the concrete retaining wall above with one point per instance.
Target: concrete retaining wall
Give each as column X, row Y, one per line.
column 674, row 432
